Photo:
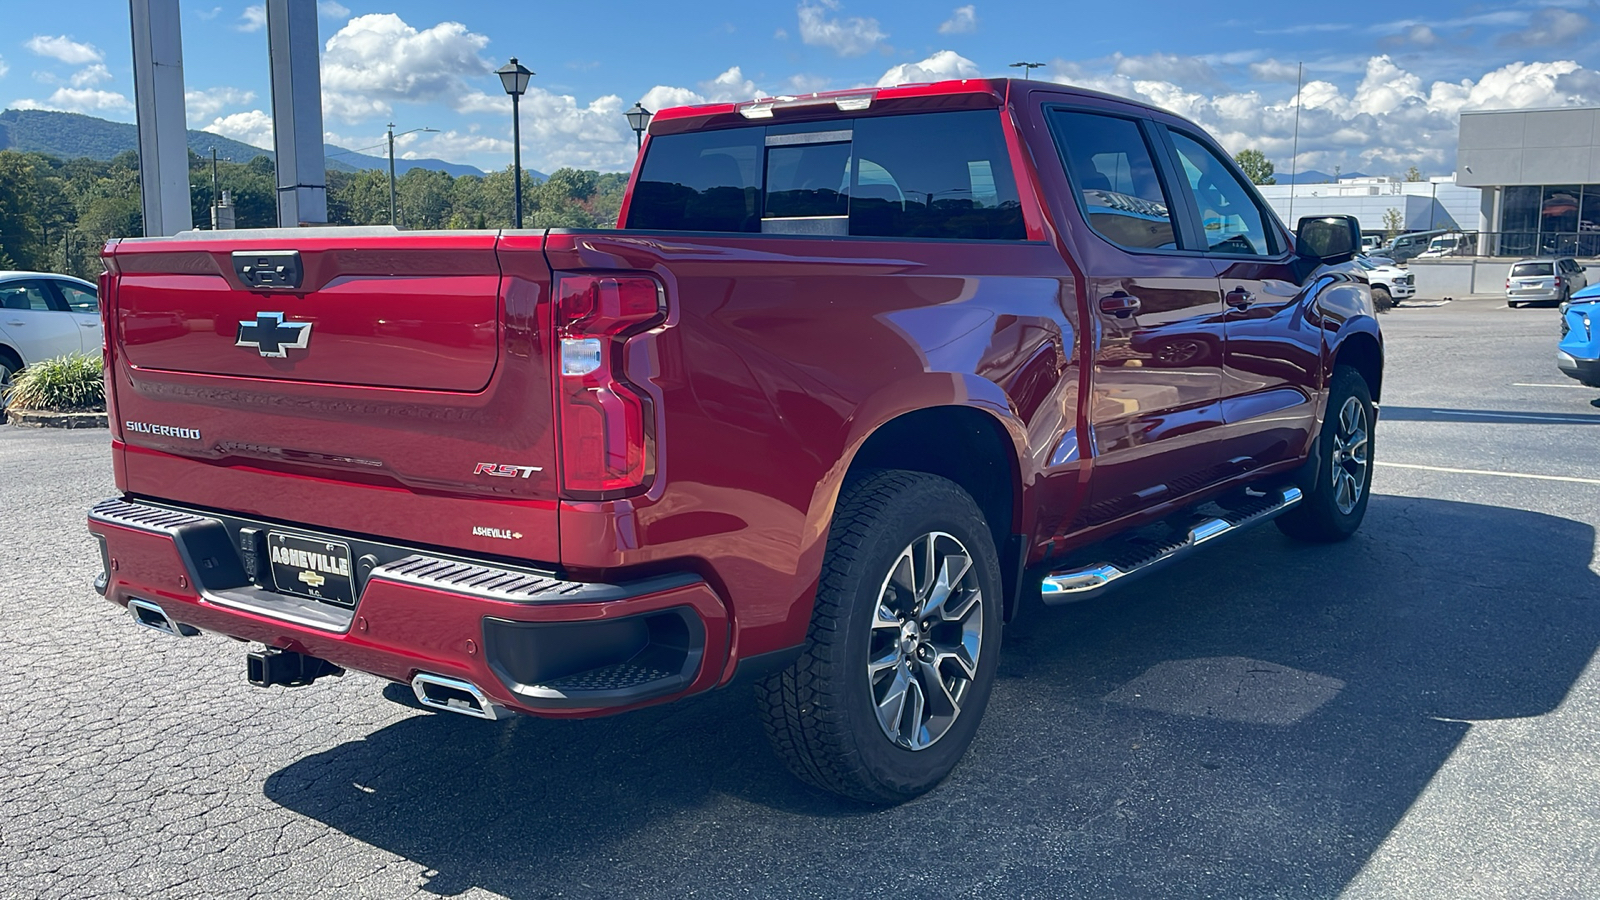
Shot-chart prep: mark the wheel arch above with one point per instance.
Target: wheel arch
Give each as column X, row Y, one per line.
column 10, row 354
column 1362, row 350
column 971, row 446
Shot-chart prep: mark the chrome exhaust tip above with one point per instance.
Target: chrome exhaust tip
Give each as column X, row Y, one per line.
column 455, row 695
column 153, row 617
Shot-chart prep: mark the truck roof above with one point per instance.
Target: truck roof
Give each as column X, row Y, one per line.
column 965, row 93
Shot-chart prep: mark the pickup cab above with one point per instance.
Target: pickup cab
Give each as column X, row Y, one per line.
column 859, row 375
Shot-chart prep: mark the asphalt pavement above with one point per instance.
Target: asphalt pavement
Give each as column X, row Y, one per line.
column 1412, row 713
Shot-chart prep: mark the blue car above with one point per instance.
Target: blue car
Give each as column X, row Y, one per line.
column 1579, row 352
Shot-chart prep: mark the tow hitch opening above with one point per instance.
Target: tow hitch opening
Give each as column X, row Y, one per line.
column 270, row 666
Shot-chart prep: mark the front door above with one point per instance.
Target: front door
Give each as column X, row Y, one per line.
column 1272, row 362
column 1158, row 323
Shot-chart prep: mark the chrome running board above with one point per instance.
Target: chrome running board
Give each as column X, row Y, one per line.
column 1122, row 563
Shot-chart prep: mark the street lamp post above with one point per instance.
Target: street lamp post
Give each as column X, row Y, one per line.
column 514, row 77
column 638, row 120
column 1027, row 69
column 393, row 219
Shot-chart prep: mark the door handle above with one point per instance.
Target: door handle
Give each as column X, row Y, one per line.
column 1239, row 298
column 14, row 322
column 1121, row 304
column 88, row 324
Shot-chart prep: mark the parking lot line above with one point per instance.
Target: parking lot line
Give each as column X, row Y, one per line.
column 1557, row 418
column 1575, row 387
column 1571, row 479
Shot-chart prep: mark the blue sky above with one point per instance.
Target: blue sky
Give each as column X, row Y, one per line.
column 1385, row 81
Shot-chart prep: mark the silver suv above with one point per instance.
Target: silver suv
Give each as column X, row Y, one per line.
column 1548, row 280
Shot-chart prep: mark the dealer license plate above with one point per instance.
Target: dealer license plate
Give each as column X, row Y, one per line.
column 310, row 567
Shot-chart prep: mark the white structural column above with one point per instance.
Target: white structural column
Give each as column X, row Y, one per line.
column 163, row 133
column 297, row 112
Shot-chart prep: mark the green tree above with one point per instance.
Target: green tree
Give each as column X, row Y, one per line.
column 22, row 243
column 1393, row 222
column 1255, row 166
column 424, row 197
column 1413, row 174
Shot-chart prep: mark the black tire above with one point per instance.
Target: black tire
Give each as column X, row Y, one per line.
column 1382, row 300
column 1325, row 514
column 822, row 713
column 1512, row 304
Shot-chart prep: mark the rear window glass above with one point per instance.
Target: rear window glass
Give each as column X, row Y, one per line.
column 1530, row 269
column 932, row 175
column 702, row 181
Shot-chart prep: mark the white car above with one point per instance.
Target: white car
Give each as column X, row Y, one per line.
column 1390, row 283
column 44, row 316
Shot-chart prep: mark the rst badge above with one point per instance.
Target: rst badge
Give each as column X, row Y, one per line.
column 505, row 471
column 271, row 336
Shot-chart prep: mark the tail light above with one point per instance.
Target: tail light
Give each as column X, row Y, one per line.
column 605, row 422
column 1558, row 281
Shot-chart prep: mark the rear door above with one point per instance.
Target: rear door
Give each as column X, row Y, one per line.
column 385, row 384
column 1272, row 365
column 1158, row 358
column 83, row 303
column 37, row 320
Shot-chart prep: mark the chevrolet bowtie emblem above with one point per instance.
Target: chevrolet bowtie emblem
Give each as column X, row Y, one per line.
column 312, row 579
column 270, row 335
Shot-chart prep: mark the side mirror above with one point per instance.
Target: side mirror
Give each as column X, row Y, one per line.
column 1328, row 239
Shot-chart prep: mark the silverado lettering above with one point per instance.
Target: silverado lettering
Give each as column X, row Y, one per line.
column 857, row 377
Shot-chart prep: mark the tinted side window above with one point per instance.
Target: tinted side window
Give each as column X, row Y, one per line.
column 24, row 295
column 934, row 175
column 1233, row 222
column 1114, row 172
column 79, row 299
column 701, row 181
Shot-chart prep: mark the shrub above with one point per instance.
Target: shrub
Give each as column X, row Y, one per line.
column 71, row 383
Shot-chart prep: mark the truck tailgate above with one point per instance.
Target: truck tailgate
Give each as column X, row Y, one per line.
column 403, row 382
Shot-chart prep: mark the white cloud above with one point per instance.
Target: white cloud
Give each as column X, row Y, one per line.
column 3, row 67
column 1273, row 70
column 204, row 105
column 847, row 37
column 945, row 65
column 964, row 20
column 377, row 60
column 253, row 128
column 1549, row 27
column 1191, row 70
column 452, row 145
column 254, row 18
column 64, row 49
column 332, row 9
column 731, row 86
column 1389, row 121
column 91, row 75
column 80, row 100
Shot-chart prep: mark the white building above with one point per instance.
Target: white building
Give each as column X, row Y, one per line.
column 1434, row 205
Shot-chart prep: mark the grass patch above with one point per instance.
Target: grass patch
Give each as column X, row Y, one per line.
column 71, row 383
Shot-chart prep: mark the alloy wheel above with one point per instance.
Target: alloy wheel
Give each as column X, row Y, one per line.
column 1350, row 457
column 926, row 638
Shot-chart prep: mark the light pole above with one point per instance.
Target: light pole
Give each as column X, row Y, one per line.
column 1027, row 69
column 514, row 77
column 393, row 220
column 638, row 120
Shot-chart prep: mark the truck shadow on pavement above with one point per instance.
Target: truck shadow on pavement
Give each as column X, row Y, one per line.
column 1253, row 722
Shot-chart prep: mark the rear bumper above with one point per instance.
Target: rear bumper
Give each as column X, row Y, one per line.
column 529, row 640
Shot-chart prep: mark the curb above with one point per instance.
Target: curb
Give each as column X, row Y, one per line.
column 28, row 418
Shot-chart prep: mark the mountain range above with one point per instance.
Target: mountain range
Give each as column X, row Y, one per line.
column 72, row 135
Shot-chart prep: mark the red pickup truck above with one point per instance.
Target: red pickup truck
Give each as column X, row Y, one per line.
column 858, row 374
